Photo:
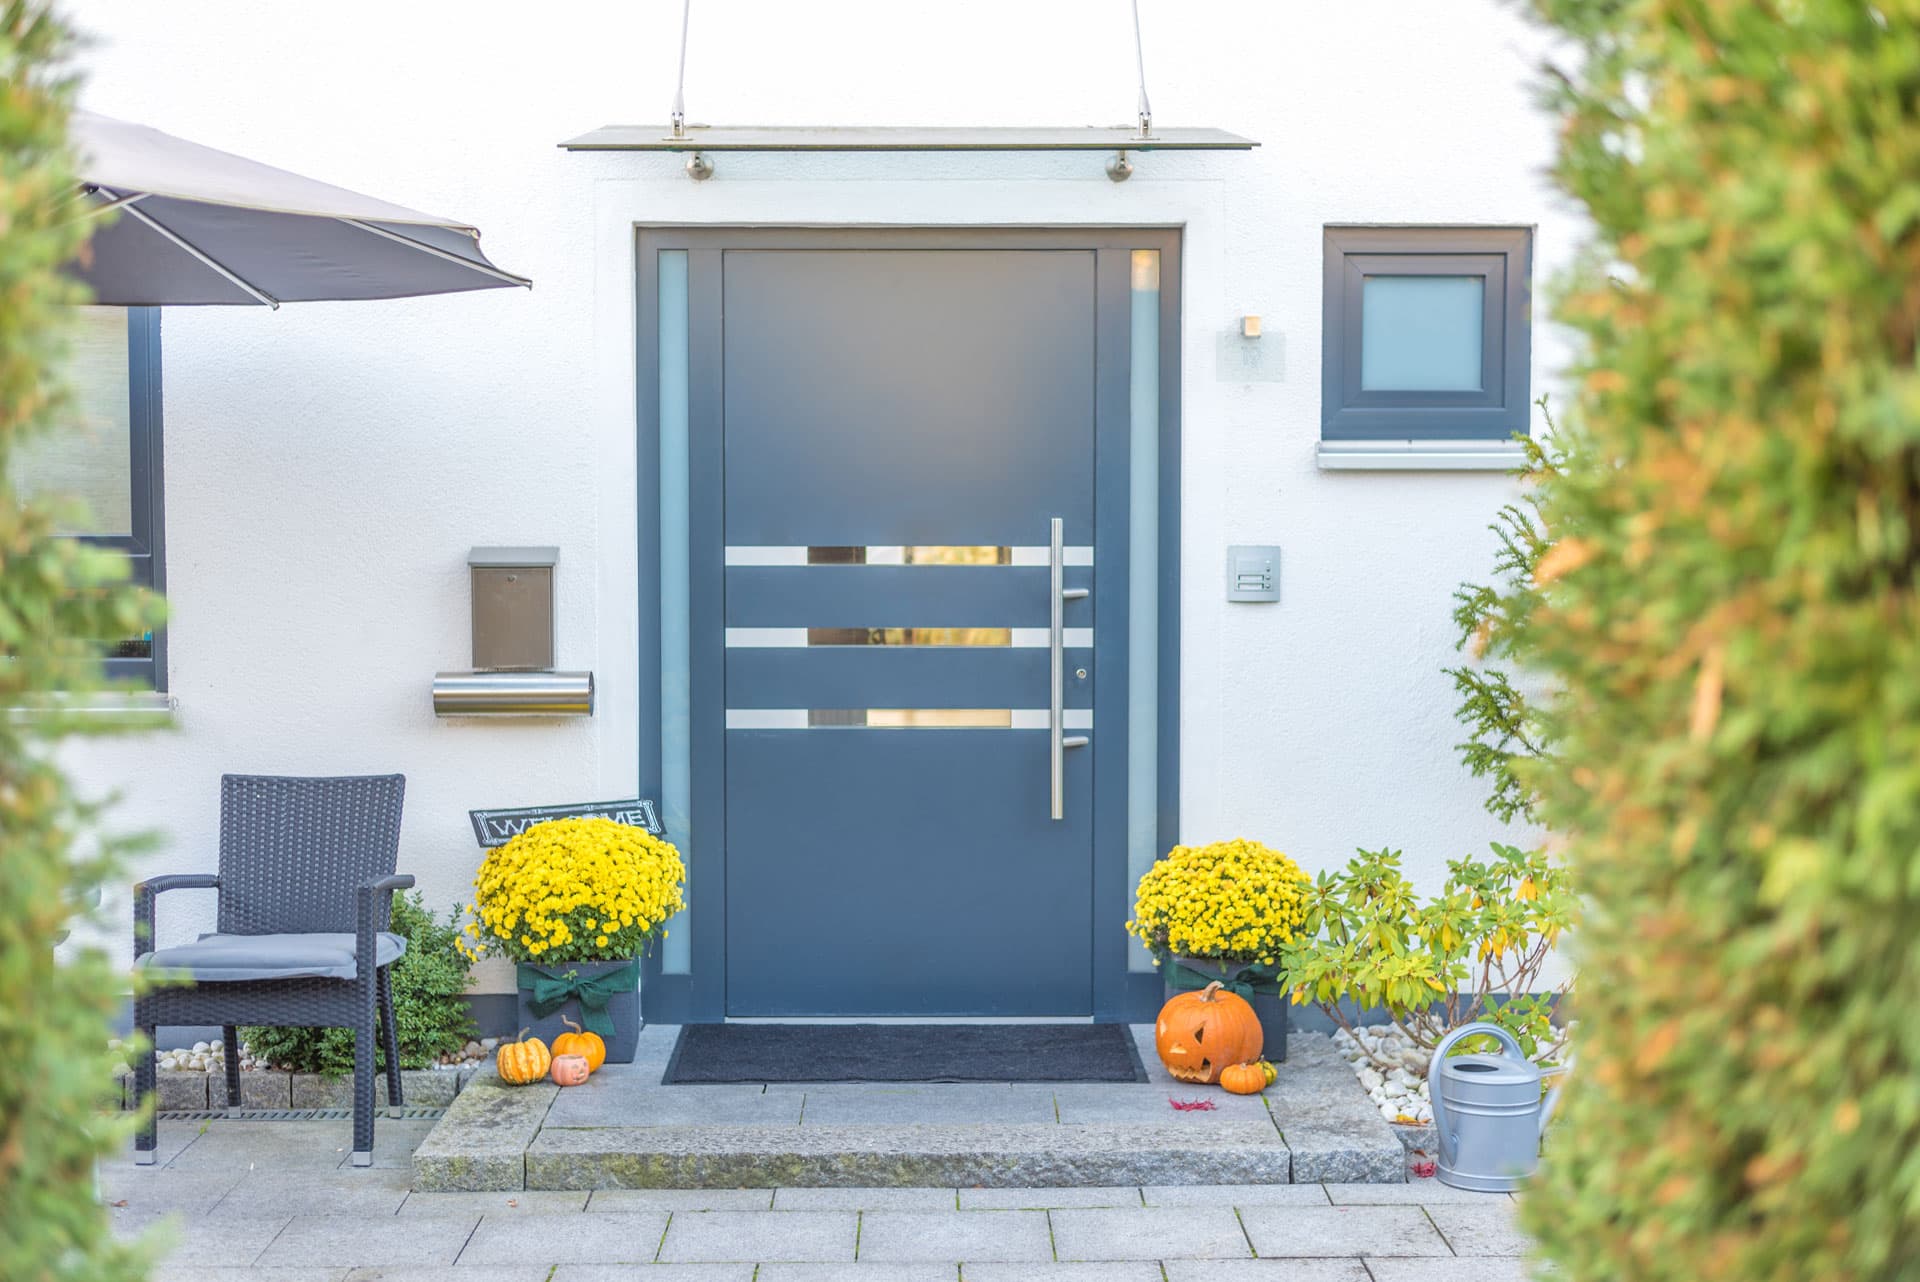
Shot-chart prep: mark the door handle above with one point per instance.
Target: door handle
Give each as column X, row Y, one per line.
column 1057, row 741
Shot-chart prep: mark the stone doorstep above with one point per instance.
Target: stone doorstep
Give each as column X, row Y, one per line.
column 1019, row 1155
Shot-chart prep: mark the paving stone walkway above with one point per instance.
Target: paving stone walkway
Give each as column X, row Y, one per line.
column 276, row 1202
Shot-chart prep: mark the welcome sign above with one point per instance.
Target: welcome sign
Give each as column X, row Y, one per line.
column 497, row 827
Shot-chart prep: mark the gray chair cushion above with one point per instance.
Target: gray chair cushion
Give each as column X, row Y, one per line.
column 213, row 958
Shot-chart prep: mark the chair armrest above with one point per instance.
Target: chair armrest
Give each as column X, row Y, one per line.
column 367, row 900
column 144, row 893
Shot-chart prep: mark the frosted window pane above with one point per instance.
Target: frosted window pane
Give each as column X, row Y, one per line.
column 1421, row 333
column 1143, row 586
column 86, row 456
column 676, row 762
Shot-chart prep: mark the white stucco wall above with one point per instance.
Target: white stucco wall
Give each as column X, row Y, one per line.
column 328, row 465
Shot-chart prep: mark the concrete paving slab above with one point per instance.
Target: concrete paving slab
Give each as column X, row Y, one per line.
column 396, row 1139
column 1135, row 1104
column 926, row 1104
column 1489, row 1229
column 356, row 1241
column 268, row 1194
column 1305, row 1231
column 1150, row 1056
column 1480, row 1270
column 515, row 1202
column 780, row 1272
column 892, row 1156
column 1272, row 1271
column 170, row 1139
column 951, row 1236
column 201, row 1242
column 1105, row 1271
column 625, row 1237
column 1427, row 1192
column 1236, row 1195
column 1047, row 1199
column 277, row 1146
column 1150, row 1233
column 650, row 1273
column 454, row 1273
column 156, row 1190
column 824, row 1237
column 235, row 1273
column 830, row 1199
column 605, row 1101
column 680, row 1200
column 480, row 1144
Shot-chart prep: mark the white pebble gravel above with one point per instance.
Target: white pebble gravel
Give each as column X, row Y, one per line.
column 1400, row 1091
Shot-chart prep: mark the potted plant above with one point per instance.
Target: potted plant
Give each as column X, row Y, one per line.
column 576, row 903
column 1223, row 913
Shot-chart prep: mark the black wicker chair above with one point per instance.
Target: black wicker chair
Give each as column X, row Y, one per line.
column 306, row 888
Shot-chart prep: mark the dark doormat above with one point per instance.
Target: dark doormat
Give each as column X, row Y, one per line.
column 904, row 1053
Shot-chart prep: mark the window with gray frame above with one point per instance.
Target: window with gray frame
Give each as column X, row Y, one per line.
column 107, row 462
column 1425, row 333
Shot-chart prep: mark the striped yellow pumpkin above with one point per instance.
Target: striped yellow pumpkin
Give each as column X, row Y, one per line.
column 523, row 1062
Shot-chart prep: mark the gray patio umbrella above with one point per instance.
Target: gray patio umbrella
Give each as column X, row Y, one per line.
column 200, row 226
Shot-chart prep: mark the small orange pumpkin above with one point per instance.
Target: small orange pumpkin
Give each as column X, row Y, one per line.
column 523, row 1062
column 1243, row 1079
column 569, row 1070
column 580, row 1042
column 1200, row 1033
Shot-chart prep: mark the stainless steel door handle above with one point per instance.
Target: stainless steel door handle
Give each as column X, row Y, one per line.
column 1057, row 742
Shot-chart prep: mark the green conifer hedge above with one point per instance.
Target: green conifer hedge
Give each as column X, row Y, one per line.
column 58, row 597
column 1729, row 609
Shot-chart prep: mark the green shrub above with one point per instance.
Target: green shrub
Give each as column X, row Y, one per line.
column 429, row 1012
column 1432, row 964
column 57, row 595
column 1730, row 616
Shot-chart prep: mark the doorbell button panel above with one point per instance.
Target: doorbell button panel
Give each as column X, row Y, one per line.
column 1253, row 573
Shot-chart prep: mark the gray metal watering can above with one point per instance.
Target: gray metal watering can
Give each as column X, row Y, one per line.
column 1488, row 1112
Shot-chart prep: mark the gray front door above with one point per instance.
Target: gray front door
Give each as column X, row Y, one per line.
column 918, row 440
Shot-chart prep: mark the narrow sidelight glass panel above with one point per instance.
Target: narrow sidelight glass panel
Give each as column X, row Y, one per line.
column 1421, row 333
column 1143, row 586
column 676, row 748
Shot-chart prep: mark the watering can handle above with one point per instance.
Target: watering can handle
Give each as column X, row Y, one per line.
column 1434, row 1092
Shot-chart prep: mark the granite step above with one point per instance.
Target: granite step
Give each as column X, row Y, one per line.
column 623, row 1129
column 1018, row 1155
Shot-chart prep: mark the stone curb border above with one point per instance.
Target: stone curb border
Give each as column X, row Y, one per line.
column 191, row 1091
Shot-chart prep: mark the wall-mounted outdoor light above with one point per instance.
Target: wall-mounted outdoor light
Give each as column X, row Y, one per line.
column 513, row 643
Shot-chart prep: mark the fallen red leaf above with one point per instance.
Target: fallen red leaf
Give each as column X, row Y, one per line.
column 1192, row 1105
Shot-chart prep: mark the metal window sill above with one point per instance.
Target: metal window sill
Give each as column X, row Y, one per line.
column 1420, row 456
column 138, row 705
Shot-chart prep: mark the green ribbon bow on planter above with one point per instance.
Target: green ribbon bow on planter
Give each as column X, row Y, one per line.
column 1246, row 981
column 549, row 990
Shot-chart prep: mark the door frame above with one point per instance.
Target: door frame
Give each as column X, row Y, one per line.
column 699, row 996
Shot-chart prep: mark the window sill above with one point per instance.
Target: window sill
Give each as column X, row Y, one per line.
column 140, row 707
column 1420, row 456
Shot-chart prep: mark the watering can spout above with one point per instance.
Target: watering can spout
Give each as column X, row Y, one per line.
column 1553, row 1099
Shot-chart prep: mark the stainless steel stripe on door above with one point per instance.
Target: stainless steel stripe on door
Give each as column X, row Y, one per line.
column 905, row 718
column 943, row 554
column 1014, row 638
column 1058, row 743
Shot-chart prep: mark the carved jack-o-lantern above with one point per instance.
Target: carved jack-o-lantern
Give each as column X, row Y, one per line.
column 1199, row 1034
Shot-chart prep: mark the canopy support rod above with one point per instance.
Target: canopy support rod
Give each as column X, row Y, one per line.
column 113, row 202
column 437, row 252
column 257, row 295
column 1140, row 65
column 680, row 86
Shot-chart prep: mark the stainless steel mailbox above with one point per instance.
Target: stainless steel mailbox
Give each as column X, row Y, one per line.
column 513, row 608
column 513, row 643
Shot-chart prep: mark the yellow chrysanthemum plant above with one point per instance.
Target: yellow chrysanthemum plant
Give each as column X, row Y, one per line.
column 575, row 903
column 1237, row 904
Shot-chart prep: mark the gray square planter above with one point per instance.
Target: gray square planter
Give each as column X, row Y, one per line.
column 624, row 1010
